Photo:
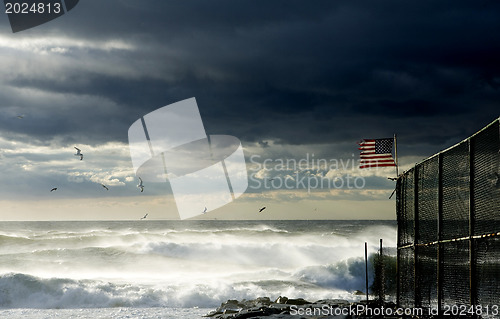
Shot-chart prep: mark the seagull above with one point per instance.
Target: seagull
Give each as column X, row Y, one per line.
column 20, row 116
column 260, row 210
column 140, row 185
column 79, row 153
column 205, row 211
column 53, row 189
column 144, row 217
column 105, row 187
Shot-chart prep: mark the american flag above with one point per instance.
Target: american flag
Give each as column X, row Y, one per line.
column 376, row 153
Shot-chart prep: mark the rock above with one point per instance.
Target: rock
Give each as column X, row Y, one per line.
column 281, row 300
column 249, row 313
column 213, row 313
column 334, row 302
column 233, row 305
column 263, row 308
column 280, row 306
column 229, row 311
column 297, row 302
column 264, row 300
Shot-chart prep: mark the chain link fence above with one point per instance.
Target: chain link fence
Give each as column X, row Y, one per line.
column 448, row 212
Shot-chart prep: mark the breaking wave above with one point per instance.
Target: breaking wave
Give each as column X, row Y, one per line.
column 182, row 265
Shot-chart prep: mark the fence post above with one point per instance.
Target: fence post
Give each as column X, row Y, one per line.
column 440, row 235
column 472, row 279
column 366, row 270
column 415, row 236
column 382, row 275
column 399, row 208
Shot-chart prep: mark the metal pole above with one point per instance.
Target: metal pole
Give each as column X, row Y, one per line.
column 440, row 235
column 472, row 279
column 396, row 155
column 399, row 211
column 382, row 277
column 415, row 237
column 366, row 269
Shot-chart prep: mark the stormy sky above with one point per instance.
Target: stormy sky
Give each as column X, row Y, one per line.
column 288, row 78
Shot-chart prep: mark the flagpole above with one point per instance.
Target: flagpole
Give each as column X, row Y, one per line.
column 396, row 154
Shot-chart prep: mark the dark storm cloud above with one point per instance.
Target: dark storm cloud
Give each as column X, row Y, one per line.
column 291, row 71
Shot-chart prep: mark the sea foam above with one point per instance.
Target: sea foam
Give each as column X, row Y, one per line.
column 182, row 264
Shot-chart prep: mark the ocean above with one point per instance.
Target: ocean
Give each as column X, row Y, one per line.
column 178, row 269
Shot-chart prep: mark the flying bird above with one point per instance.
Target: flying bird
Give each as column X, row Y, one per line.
column 205, row 211
column 105, row 187
column 140, row 185
column 260, row 210
column 20, row 116
column 79, row 153
column 144, row 217
column 53, row 189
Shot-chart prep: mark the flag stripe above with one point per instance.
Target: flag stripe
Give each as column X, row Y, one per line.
column 377, row 165
column 376, row 153
column 378, row 160
column 375, row 156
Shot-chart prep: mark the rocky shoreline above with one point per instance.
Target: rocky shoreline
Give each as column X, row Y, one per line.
column 286, row 308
